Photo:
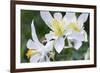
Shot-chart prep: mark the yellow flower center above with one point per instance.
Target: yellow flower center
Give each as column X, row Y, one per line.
column 75, row 27
column 58, row 27
column 31, row 52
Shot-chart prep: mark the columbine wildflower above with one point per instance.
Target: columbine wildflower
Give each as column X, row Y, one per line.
column 58, row 27
column 76, row 28
column 37, row 52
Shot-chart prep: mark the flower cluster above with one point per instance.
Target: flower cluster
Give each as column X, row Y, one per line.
column 68, row 27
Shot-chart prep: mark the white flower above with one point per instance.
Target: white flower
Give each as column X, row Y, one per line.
column 58, row 27
column 37, row 51
column 76, row 28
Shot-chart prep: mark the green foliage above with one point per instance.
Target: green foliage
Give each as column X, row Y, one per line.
column 66, row 54
column 72, row 54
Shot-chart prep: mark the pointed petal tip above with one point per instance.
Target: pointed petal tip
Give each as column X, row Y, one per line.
column 78, row 44
column 83, row 18
column 59, row 44
column 58, row 16
column 47, row 18
column 29, row 43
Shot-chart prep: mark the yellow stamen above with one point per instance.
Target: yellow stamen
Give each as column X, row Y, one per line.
column 74, row 27
column 31, row 52
column 58, row 27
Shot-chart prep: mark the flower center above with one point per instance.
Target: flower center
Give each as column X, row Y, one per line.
column 58, row 27
column 74, row 27
column 31, row 52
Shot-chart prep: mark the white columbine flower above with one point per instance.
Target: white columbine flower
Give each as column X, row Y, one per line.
column 58, row 27
column 37, row 51
column 76, row 28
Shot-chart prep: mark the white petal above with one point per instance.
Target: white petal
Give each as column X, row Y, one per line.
column 85, row 36
column 35, row 58
column 47, row 18
column 47, row 59
column 82, row 19
column 50, row 36
column 34, row 36
column 34, row 45
column 31, row 45
column 87, row 54
column 68, row 32
column 70, row 17
column 58, row 16
column 49, row 46
column 42, row 60
column 59, row 44
column 77, row 44
column 76, row 36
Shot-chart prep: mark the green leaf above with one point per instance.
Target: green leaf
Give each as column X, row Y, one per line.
column 66, row 54
column 79, row 54
column 23, row 56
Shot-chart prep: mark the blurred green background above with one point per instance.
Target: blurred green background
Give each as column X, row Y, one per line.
column 41, row 29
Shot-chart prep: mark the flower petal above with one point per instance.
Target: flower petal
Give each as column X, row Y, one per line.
column 34, row 36
column 35, row 58
column 44, row 59
column 68, row 32
column 82, row 19
column 87, row 55
column 47, row 59
column 49, row 46
column 77, row 44
column 70, row 17
column 76, row 36
column 59, row 44
column 47, row 18
column 30, row 44
column 34, row 45
column 85, row 36
column 58, row 16
column 50, row 36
